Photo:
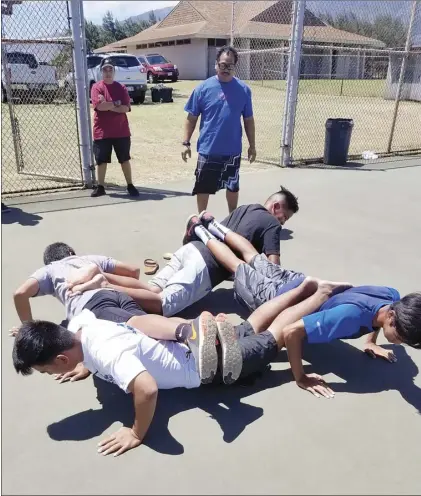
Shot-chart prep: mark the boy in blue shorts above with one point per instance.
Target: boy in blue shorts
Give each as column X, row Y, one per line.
column 355, row 312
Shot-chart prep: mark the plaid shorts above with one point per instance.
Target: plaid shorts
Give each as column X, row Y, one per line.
column 215, row 172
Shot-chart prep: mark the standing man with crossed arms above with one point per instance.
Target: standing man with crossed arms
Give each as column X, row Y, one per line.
column 220, row 101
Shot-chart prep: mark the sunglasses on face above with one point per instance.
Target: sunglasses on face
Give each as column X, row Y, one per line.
column 226, row 67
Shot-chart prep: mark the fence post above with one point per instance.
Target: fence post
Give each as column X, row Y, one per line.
column 81, row 94
column 88, row 90
column 293, row 76
column 402, row 74
column 232, row 23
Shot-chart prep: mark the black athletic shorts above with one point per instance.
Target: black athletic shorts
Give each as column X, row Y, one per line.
column 103, row 149
column 114, row 306
column 258, row 351
column 215, row 172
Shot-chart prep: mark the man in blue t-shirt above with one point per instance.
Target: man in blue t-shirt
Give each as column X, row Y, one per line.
column 220, row 101
column 352, row 313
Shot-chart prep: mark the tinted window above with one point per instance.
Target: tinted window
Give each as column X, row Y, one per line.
column 125, row 61
column 141, row 60
column 156, row 59
column 22, row 58
column 93, row 62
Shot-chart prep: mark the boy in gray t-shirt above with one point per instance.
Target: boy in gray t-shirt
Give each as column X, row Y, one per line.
column 63, row 265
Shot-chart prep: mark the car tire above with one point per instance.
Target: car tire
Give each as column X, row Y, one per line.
column 49, row 97
column 152, row 79
column 174, row 80
column 68, row 94
column 138, row 100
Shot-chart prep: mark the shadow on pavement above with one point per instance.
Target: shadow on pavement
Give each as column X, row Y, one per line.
column 144, row 193
column 18, row 216
column 362, row 375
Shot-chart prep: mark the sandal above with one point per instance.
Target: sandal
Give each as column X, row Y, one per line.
column 151, row 267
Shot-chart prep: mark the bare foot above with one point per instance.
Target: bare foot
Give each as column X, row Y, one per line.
column 311, row 284
column 331, row 288
column 98, row 281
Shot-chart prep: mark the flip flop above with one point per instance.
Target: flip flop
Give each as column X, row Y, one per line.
column 151, row 267
column 167, row 256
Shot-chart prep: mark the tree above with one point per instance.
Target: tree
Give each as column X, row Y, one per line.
column 132, row 28
column 386, row 28
column 93, row 36
column 152, row 18
column 109, row 28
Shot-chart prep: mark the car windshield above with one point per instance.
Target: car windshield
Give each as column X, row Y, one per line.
column 125, row 61
column 157, row 59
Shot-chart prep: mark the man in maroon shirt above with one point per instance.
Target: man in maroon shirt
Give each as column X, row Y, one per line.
column 111, row 103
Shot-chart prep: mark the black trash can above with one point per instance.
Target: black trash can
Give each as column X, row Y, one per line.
column 161, row 94
column 337, row 140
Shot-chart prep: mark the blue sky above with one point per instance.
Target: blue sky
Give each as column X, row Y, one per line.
column 94, row 11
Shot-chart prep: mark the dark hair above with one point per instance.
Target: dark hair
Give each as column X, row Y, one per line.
column 57, row 251
column 408, row 319
column 227, row 49
column 291, row 199
column 38, row 343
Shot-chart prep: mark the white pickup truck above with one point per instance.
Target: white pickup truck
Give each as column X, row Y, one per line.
column 29, row 79
column 128, row 71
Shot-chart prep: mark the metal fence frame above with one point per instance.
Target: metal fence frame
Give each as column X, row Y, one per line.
column 294, row 51
column 83, row 131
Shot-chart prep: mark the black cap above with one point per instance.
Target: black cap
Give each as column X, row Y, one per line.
column 107, row 62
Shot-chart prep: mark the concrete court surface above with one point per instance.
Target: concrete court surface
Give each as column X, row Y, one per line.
column 270, row 438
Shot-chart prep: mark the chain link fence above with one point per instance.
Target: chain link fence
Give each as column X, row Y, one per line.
column 354, row 61
column 40, row 143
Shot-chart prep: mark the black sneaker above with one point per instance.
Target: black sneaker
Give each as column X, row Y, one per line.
column 192, row 222
column 232, row 358
column 4, row 208
column 132, row 190
column 206, row 218
column 202, row 344
column 98, row 191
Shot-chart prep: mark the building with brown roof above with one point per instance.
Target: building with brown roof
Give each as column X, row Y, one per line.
column 192, row 31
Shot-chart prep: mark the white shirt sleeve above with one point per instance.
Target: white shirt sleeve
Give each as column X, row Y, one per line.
column 125, row 369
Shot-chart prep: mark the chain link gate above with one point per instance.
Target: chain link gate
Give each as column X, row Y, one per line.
column 307, row 61
column 40, row 139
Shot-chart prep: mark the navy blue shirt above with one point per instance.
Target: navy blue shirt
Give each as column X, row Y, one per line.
column 349, row 314
column 220, row 106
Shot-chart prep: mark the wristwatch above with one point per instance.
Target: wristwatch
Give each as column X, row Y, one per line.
column 186, row 143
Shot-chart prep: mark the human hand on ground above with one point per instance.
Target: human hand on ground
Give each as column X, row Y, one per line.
column 251, row 154
column 123, row 440
column 77, row 374
column 373, row 350
column 315, row 384
column 186, row 153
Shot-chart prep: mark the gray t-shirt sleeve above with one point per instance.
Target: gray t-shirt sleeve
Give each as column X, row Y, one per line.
column 45, row 282
column 107, row 264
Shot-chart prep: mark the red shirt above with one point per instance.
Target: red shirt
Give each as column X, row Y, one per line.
column 108, row 124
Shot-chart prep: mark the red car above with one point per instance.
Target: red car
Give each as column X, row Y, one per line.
column 158, row 68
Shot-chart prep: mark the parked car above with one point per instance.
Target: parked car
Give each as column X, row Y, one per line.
column 128, row 71
column 158, row 68
column 29, row 78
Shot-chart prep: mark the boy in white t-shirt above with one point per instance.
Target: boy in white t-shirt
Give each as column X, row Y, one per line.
column 141, row 365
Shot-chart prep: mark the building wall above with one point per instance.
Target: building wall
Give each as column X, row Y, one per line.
column 191, row 60
column 411, row 87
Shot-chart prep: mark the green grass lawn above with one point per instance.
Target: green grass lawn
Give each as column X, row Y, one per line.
column 49, row 142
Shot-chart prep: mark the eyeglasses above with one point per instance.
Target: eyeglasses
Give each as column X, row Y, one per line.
column 225, row 67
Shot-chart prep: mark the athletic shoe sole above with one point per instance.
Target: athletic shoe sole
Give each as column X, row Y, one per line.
column 206, row 221
column 232, row 358
column 208, row 357
column 187, row 235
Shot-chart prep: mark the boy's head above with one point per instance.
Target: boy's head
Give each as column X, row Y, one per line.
column 57, row 251
column 403, row 321
column 45, row 347
column 282, row 205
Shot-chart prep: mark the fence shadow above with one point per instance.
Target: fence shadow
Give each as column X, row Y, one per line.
column 18, row 216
